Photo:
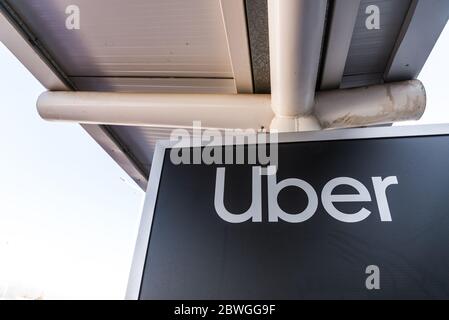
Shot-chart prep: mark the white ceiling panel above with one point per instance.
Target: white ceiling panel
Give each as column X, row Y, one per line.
column 143, row 38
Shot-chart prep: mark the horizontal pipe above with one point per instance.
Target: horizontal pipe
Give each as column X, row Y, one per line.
column 162, row 110
column 357, row 107
column 379, row 104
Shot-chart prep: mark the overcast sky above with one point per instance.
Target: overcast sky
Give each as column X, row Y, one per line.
column 68, row 214
column 435, row 78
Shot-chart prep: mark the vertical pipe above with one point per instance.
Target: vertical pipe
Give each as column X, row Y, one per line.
column 296, row 30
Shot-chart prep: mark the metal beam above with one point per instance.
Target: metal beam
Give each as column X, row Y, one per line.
column 423, row 25
column 29, row 55
column 342, row 22
column 234, row 19
column 118, row 151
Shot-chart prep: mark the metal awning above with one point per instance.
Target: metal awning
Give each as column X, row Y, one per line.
column 204, row 46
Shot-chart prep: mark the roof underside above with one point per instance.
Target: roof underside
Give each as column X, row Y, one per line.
column 186, row 46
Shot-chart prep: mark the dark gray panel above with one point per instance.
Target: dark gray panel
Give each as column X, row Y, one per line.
column 155, row 85
column 360, row 80
column 257, row 16
column 194, row 254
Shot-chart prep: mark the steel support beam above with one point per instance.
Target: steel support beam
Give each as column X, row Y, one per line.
column 234, row 20
column 342, row 22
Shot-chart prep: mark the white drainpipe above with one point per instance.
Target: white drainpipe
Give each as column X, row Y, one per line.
column 379, row 104
column 386, row 103
column 221, row 111
column 295, row 31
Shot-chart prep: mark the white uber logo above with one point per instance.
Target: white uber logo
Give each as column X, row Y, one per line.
column 328, row 199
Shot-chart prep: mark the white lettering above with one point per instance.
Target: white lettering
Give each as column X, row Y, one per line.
column 255, row 210
column 328, row 198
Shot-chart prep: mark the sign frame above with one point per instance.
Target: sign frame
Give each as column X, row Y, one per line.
column 144, row 232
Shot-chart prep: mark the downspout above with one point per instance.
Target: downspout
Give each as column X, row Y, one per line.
column 295, row 33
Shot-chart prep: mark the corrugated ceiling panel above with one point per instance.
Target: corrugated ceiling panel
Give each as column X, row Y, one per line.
column 142, row 140
column 133, row 38
column 159, row 85
column 370, row 50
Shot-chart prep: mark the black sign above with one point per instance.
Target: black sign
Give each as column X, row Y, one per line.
column 344, row 219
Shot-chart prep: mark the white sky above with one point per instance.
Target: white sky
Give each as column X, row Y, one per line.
column 68, row 221
column 68, row 214
column 434, row 76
